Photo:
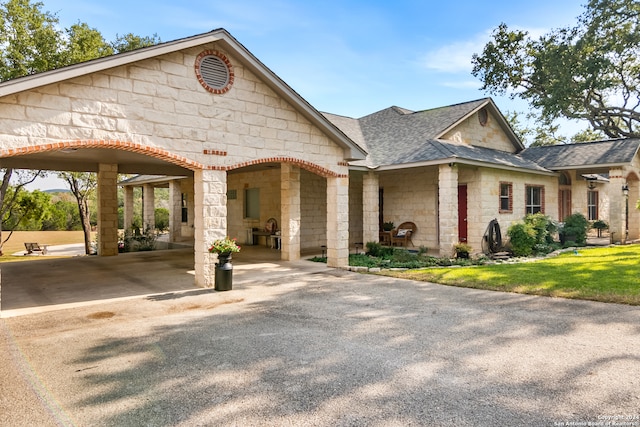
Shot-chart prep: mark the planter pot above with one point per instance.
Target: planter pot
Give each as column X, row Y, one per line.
column 464, row 255
column 224, row 273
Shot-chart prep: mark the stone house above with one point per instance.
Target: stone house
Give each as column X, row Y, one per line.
column 242, row 147
column 452, row 170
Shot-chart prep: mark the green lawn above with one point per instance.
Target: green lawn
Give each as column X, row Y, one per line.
column 16, row 243
column 609, row 274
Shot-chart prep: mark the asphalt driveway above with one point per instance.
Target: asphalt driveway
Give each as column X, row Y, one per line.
column 323, row 347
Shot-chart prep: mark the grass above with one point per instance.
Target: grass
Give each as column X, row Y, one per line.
column 609, row 274
column 18, row 239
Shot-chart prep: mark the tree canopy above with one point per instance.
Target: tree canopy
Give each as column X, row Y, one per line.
column 590, row 71
column 32, row 41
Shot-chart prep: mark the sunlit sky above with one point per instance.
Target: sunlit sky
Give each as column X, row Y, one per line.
column 345, row 57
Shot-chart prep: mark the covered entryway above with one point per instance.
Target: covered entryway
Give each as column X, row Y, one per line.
column 160, row 110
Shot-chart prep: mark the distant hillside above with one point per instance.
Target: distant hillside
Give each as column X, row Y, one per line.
column 57, row 190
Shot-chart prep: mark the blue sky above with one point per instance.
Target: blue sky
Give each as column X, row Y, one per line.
column 345, row 57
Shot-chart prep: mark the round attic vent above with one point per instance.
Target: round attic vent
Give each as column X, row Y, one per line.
column 483, row 117
column 214, row 71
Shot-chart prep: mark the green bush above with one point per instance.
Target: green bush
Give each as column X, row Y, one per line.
column 533, row 235
column 543, row 226
column 574, row 230
column 522, row 236
column 375, row 249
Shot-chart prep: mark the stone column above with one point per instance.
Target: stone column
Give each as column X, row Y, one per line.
column 175, row 210
column 128, row 207
column 186, row 186
column 337, row 221
column 448, row 208
column 210, row 221
column 148, row 208
column 617, row 224
column 290, row 207
column 107, row 209
column 370, row 208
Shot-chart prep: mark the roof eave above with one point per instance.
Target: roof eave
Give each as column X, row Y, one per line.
column 594, row 166
column 466, row 162
column 33, row 81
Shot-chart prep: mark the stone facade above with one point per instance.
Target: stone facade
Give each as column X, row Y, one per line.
column 156, row 107
column 489, row 135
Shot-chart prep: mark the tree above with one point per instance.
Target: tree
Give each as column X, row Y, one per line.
column 82, row 185
column 130, row 42
column 9, row 195
column 85, row 43
column 31, row 41
column 588, row 72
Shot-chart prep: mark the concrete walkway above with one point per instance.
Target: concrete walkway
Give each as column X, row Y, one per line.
column 302, row 344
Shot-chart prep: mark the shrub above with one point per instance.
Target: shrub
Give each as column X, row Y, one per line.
column 377, row 250
column 543, row 226
column 522, row 236
column 575, row 230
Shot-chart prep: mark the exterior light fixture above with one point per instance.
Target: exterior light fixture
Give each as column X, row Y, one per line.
column 625, row 189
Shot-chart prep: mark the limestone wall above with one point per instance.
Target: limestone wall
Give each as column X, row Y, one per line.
column 268, row 184
column 313, row 210
column 158, row 104
column 411, row 195
column 487, row 187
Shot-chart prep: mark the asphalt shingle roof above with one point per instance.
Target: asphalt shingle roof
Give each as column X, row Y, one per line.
column 397, row 136
column 616, row 151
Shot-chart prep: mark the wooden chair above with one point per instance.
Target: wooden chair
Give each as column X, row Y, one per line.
column 401, row 236
column 35, row 247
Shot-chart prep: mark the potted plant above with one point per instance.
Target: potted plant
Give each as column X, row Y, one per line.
column 387, row 226
column 224, row 269
column 600, row 225
column 574, row 230
column 462, row 250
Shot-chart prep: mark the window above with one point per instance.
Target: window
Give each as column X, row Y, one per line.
column 534, row 199
column 252, row 203
column 592, row 205
column 506, row 197
column 185, row 210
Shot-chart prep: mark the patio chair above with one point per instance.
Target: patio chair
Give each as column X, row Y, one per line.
column 401, row 236
column 270, row 229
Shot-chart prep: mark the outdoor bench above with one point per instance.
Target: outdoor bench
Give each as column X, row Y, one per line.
column 35, row 247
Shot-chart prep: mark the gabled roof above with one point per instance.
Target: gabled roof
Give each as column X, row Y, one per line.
column 219, row 36
column 397, row 137
column 615, row 152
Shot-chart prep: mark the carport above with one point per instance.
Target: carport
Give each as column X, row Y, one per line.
column 61, row 283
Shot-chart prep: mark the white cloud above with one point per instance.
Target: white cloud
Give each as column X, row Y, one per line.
column 456, row 57
column 463, row 84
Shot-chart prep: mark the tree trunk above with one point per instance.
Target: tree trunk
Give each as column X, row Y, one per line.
column 83, row 206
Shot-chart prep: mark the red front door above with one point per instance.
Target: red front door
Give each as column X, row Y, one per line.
column 462, row 213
